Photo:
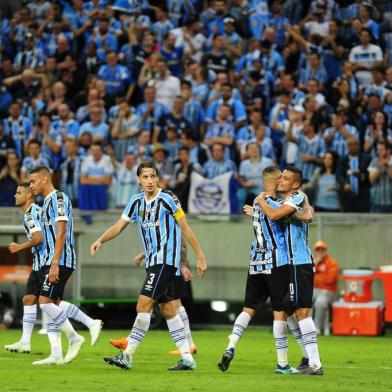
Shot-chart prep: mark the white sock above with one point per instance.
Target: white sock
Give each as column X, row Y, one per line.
column 177, row 332
column 54, row 336
column 309, row 337
column 240, row 324
column 281, row 341
column 74, row 313
column 293, row 325
column 139, row 330
column 45, row 320
column 60, row 320
column 184, row 317
column 29, row 319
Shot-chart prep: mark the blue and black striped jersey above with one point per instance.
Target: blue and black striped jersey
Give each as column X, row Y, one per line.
column 296, row 234
column 268, row 247
column 32, row 224
column 57, row 207
column 156, row 222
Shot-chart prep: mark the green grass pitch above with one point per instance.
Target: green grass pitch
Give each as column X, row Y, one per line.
column 351, row 364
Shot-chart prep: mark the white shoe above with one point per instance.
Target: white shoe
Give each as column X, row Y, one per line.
column 74, row 348
column 18, row 347
column 50, row 361
column 42, row 331
column 95, row 331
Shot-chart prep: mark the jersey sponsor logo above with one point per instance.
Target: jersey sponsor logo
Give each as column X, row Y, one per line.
column 150, row 224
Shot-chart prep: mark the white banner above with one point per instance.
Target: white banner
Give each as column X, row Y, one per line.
column 209, row 196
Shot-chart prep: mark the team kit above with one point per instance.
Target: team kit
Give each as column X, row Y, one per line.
column 281, row 269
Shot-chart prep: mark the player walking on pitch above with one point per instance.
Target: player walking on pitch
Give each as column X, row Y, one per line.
column 161, row 223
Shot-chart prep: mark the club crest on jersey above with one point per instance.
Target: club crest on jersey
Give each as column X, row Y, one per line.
column 61, row 211
column 141, row 213
column 31, row 224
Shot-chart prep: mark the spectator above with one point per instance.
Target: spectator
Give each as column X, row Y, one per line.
column 95, row 177
column 365, row 57
column 353, row 179
column 377, row 131
column 167, row 86
column 96, row 127
column 249, row 175
column 85, row 142
column 264, row 143
column 323, row 186
column 314, row 70
column 175, row 118
column 172, row 54
column 217, row 60
column 124, row 130
column 380, row 177
column 181, row 179
column 325, row 285
column 311, row 150
column 126, row 179
column 218, row 164
column 172, row 144
column 34, row 158
column 198, row 152
column 7, row 144
column 9, row 180
column 221, row 131
column 163, row 164
column 19, row 128
column 70, row 171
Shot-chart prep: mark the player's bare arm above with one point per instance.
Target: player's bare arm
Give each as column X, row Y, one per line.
column 274, row 213
column 185, row 271
column 194, row 242
column 109, row 234
column 139, row 258
column 61, row 229
column 36, row 239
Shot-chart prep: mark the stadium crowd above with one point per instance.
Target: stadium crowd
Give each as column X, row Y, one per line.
column 91, row 88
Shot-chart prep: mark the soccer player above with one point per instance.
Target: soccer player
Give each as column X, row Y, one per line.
column 33, row 229
column 161, row 223
column 58, row 265
column 268, row 276
column 301, row 263
column 180, row 309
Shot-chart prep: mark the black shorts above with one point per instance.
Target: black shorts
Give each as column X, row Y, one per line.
column 34, row 283
column 279, row 284
column 179, row 287
column 257, row 290
column 159, row 283
column 301, row 285
column 55, row 290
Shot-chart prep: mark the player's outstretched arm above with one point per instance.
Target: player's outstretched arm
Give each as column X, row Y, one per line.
column 36, row 239
column 108, row 235
column 274, row 213
column 194, row 242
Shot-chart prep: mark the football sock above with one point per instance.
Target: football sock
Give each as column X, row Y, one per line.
column 184, row 317
column 177, row 332
column 60, row 320
column 293, row 325
column 309, row 337
column 281, row 341
column 239, row 327
column 54, row 336
column 29, row 319
column 139, row 330
column 73, row 312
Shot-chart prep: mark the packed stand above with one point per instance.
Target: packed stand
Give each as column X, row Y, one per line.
column 92, row 88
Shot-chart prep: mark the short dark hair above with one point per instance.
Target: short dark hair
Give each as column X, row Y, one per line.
column 40, row 169
column 146, row 165
column 97, row 143
column 384, row 143
column 24, row 184
column 186, row 83
column 184, row 148
column 297, row 173
column 34, row 141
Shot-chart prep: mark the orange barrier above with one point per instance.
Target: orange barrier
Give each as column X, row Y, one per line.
column 14, row 273
column 386, row 278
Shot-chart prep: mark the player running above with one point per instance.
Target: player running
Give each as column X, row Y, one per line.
column 301, row 262
column 57, row 266
column 161, row 223
column 268, row 275
column 186, row 275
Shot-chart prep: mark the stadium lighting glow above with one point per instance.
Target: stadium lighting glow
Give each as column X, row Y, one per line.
column 219, row 306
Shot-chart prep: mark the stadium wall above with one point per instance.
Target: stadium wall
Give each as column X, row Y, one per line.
column 355, row 241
